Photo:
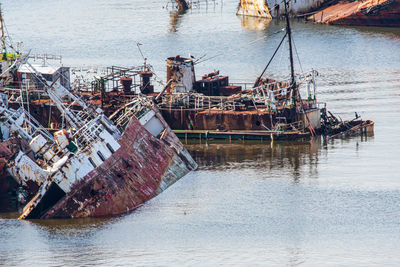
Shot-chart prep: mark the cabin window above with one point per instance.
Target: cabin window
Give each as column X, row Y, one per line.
column 92, row 162
column 48, row 77
column 110, row 148
column 101, row 156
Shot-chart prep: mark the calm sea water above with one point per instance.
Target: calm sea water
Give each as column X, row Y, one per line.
column 330, row 203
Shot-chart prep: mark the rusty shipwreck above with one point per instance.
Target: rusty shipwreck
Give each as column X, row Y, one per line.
column 64, row 155
column 211, row 107
column 93, row 167
column 379, row 13
column 360, row 13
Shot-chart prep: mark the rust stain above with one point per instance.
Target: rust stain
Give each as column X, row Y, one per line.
column 128, row 178
column 362, row 13
column 255, row 8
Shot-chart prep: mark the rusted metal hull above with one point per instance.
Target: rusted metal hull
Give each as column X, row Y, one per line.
column 140, row 169
column 191, row 119
column 274, row 9
column 254, row 8
column 8, row 185
column 361, row 13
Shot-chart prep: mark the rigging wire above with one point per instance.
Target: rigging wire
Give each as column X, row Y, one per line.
column 7, row 38
column 269, row 62
column 297, row 54
column 282, row 53
column 242, row 46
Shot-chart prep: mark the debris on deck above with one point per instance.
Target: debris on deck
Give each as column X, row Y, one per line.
column 214, row 105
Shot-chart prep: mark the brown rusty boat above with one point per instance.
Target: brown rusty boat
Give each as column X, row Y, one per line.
column 212, row 107
column 360, row 13
column 93, row 167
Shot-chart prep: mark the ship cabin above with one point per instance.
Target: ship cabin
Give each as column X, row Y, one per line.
column 26, row 76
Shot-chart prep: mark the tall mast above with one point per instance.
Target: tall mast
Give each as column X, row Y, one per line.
column 289, row 33
column 4, row 50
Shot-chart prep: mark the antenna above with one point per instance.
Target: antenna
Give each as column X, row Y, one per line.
column 140, row 50
column 144, row 59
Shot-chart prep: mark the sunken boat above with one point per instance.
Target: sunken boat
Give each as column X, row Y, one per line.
column 381, row 13
column 211, row 107
column 94, row 167
column 64, row 158
column 378, row 13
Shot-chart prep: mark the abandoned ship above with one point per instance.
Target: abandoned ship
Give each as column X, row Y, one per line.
column 210, row 107
column 89, row 149
column 337, row 12
column 89, row 166
column 213, row 108
column 94, row 167
column 361, row 13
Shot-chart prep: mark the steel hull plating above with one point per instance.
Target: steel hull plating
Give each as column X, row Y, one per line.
column 367, row 13
column 251, row 120
column 140, row 169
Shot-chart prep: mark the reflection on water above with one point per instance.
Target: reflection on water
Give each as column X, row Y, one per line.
column 318, row 203
column 253, row 154
column 175, row 20
column 296, row 158
column 377, row 31
column 254, row 23
column 61, row 226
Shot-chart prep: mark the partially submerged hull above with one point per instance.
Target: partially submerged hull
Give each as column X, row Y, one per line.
column 360, row 13
column 231, row 120
column 354, row 128
column 142, row 167
column 275, row 9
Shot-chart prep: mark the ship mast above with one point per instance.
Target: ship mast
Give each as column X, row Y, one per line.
column 289, row 34
column 4, row 50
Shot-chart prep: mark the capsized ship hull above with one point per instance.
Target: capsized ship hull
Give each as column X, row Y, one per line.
column 149, row 159
column 143, row 167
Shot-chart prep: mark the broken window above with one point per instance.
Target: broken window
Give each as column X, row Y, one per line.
column 110, row 148
column 92, row 162
column 101, row 156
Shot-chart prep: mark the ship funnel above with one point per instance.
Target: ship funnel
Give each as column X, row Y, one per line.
column 181, row 71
